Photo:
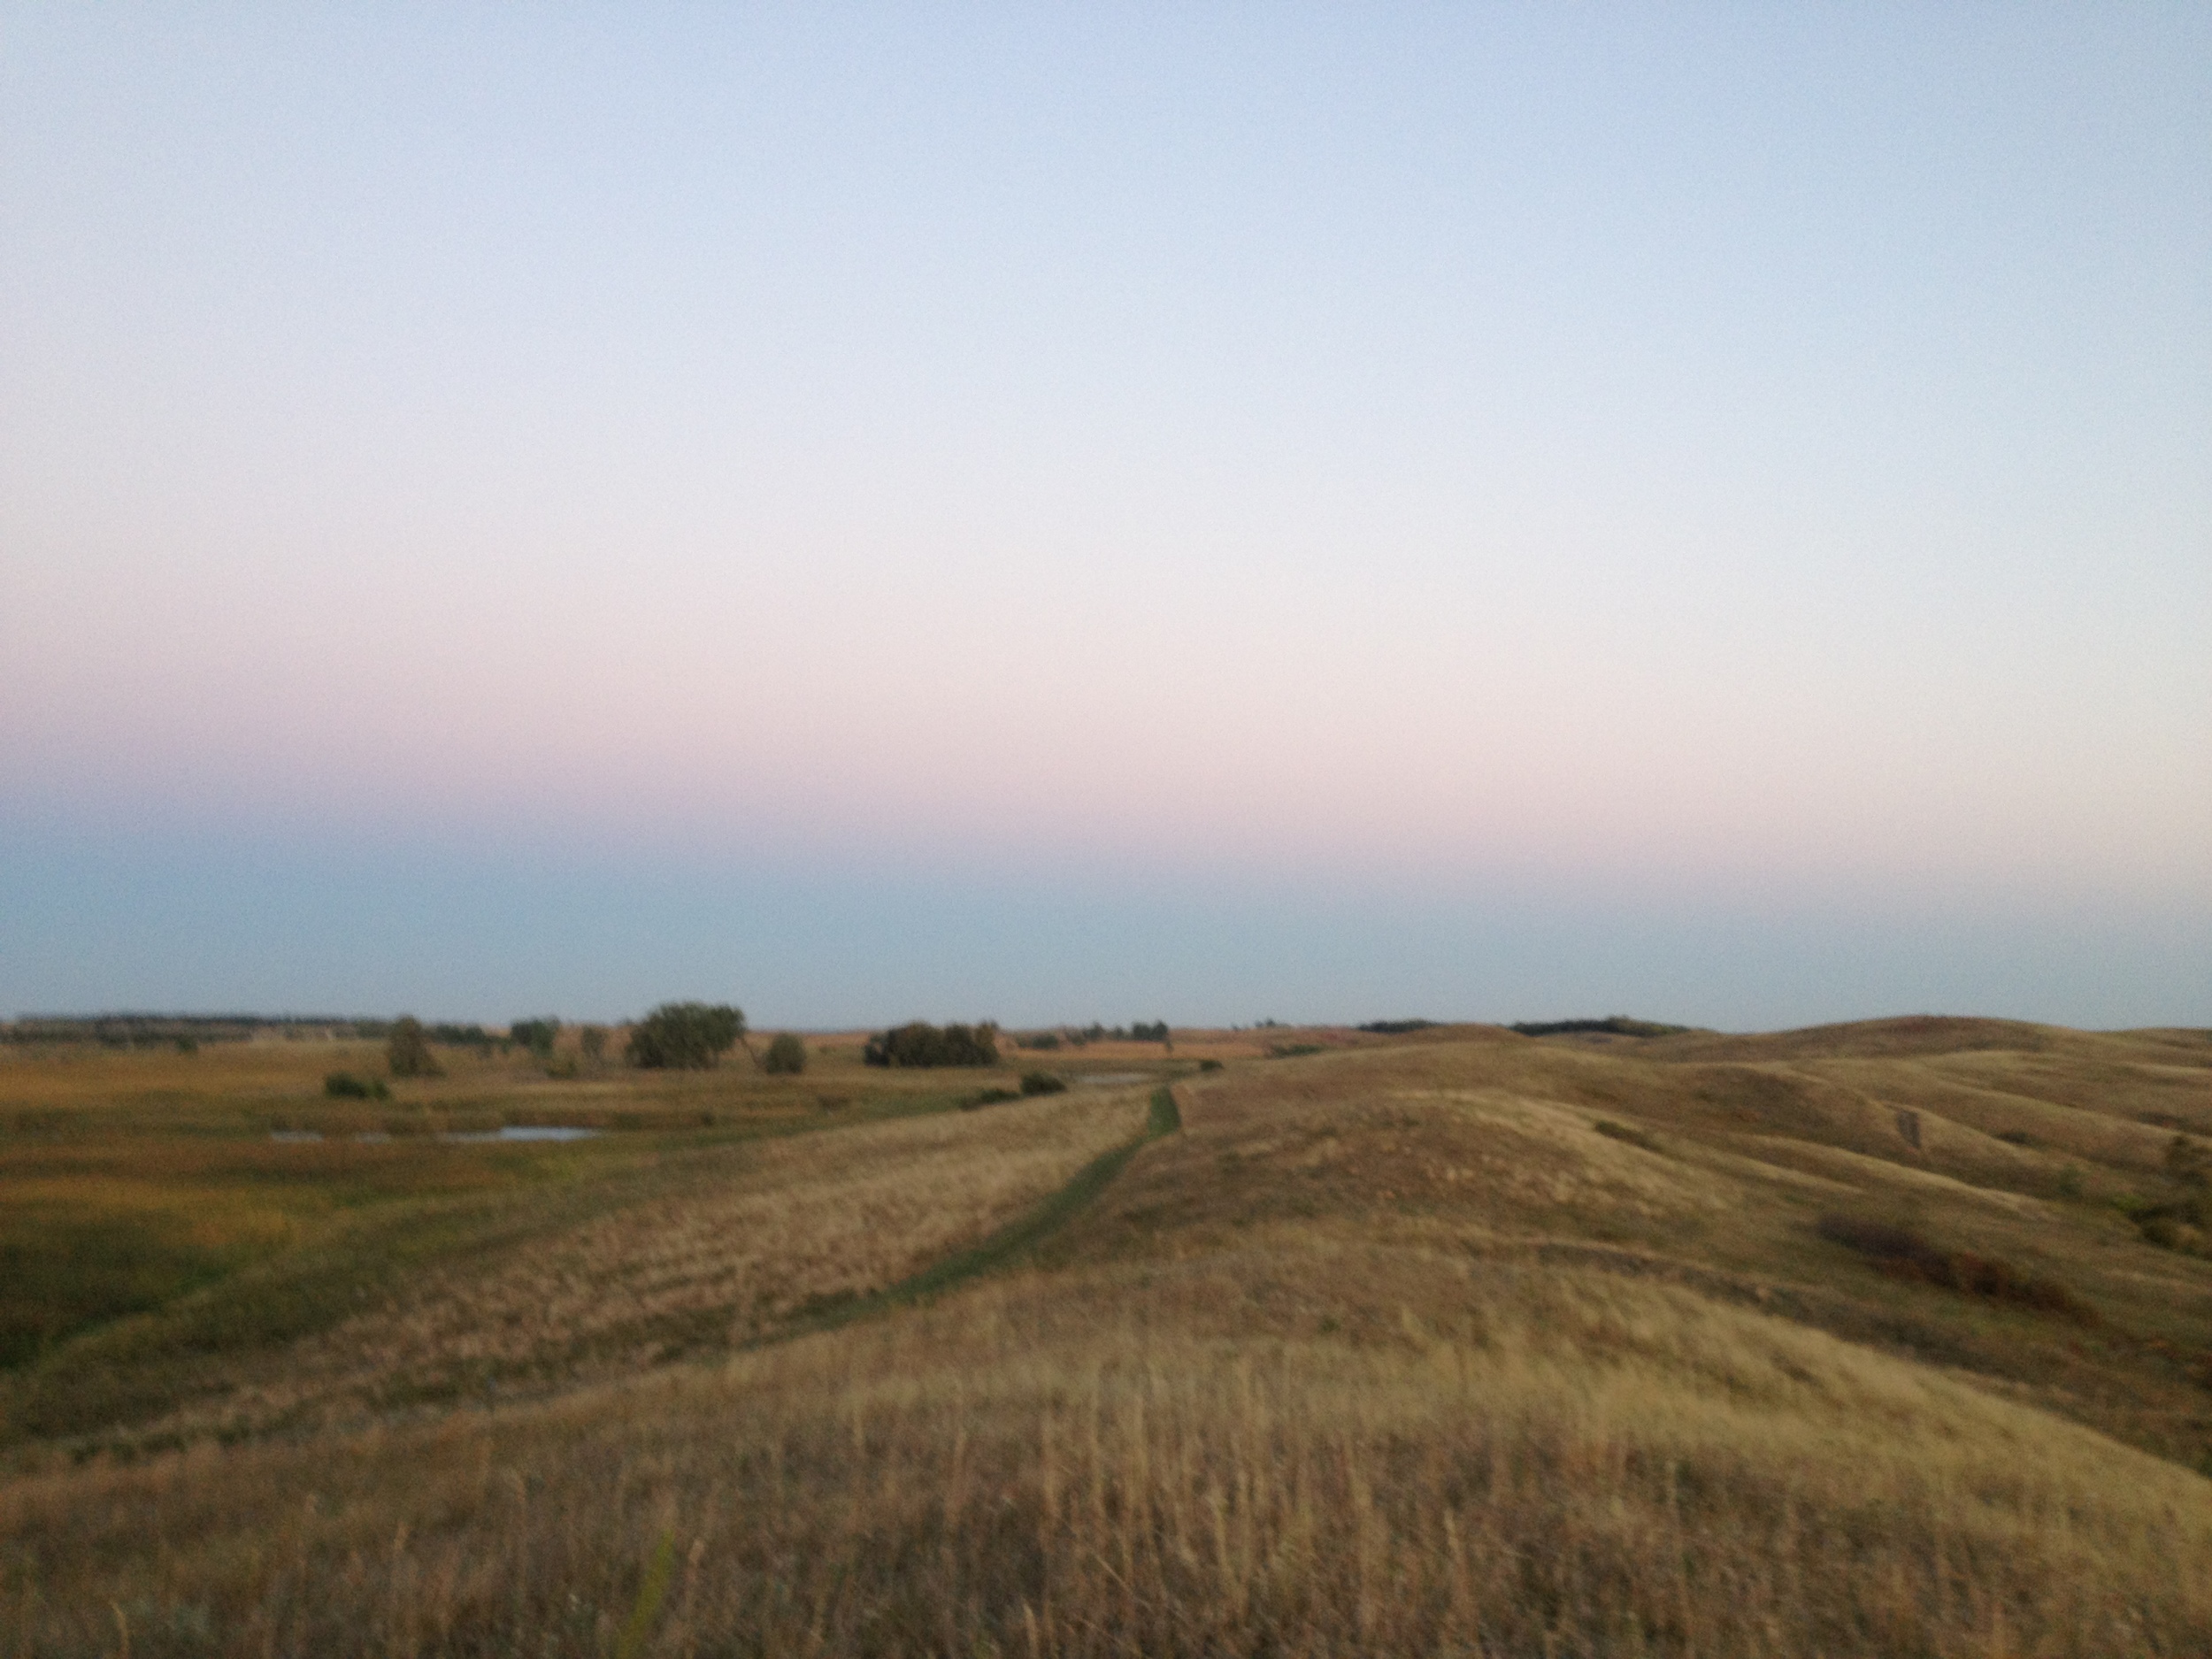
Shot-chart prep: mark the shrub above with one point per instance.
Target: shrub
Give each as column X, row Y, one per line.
column 408, row 1053
column 1040, row 1041
column 1624, row 1133
column 785, row 1055
column 594, row 1041
column 345, row 1085
column 1903, row 1254
column 685, row 1036
column 989, row 1097
column 2180, row 1225
column 1209, row 1065
column 918, row 1044
column 1043, row 1083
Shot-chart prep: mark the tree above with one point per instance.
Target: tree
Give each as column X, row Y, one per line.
column 594, row 1039
column 919, row 1043
column 786, row 1056
column 408, row 1053
column 685, row 1036
column 536, row 1035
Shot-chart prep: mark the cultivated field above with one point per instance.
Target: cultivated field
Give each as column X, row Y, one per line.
column 1886, row 1339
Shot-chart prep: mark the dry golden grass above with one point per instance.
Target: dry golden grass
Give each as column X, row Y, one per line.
column 752, row 1235
column 1391, row 1350
column 1519, row 1461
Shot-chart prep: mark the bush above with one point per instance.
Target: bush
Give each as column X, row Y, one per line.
column 785, row 1055
column 1903, row 1254
column 1625, row 1134
column 408, row 1053
column 1209, row 1065
column 989, row 1097
column 1043, row 1083
column 685, row 1036
column 917, row 1043
column 345, row 1085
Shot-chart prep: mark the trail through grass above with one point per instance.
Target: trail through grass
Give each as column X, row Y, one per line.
column 1163, row 1118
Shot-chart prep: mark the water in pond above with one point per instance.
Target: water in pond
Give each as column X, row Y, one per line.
column 1113, row 1080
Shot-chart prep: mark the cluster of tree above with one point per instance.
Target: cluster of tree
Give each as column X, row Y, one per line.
column 685, row 1036
column 1615, row 1024
column 1136, row 1030
column 132, row 1031
column 919, row 1043
column 675, row 1036
column 1397, row 1027
column 460, row 1036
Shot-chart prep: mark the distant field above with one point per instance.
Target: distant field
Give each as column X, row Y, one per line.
column 1894, row 1338
column 168, row 1225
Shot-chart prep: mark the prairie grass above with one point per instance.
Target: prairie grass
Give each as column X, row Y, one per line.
column 1568, row 1463
column 168, row 1268
column 1461, row 1342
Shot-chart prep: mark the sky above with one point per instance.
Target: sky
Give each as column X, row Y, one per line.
column 1308, row 512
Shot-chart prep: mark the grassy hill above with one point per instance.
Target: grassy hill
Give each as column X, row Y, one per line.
column 1893, row 1337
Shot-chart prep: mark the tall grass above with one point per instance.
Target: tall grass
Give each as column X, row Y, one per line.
column 1486, row 1347
column 1048, row 1468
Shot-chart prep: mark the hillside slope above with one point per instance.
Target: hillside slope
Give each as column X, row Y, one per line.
column 1475, row 1343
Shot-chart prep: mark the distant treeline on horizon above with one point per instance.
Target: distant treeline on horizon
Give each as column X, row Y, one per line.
column 125, row 1030
column 128, row 1029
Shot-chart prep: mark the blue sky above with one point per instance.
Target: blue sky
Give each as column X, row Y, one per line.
column 1316, row 513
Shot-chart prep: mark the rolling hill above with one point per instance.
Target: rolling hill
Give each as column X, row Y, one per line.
column 1888, row 1338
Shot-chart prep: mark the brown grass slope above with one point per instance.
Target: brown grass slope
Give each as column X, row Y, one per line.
column 1478, row 1345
